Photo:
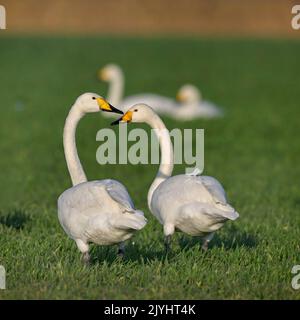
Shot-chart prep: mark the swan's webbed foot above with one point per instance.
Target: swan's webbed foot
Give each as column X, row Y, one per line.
column 204, row 246
column 206, row 241
column 121, row 250
column 169, row 229
column 167, row 244
column 86, row 258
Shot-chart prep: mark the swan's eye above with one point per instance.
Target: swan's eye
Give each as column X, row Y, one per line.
column 94, row 98
column 135, row 110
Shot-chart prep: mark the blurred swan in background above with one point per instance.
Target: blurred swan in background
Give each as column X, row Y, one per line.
column 193, row 204
column 96, row 211
column 191, row 105
column 113, row 74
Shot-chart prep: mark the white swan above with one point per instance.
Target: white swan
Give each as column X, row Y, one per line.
column 191, row 105
column 113, row 74
column 193, row 204
column 96, row 211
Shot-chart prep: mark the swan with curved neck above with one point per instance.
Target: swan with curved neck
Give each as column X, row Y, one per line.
column 190, row 104
column 196, row 205
column 98, row 211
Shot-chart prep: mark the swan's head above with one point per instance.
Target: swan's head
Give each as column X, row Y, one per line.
column 137, row 113
column 92, row 102
column 109, row 72
column 188, row 94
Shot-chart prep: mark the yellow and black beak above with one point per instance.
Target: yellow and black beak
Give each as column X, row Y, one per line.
column 105, row 106
column 127, row 117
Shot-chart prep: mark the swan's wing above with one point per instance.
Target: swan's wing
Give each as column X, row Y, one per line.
column 84, row 209
column 218, row 194
column 89, row 195
column 82, row 197
column 215, row 188
column 120, row 194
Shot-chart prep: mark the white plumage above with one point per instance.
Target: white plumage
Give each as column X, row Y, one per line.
column 195, row 205
column 191, row 105
column 100, row 211
column 161, row 104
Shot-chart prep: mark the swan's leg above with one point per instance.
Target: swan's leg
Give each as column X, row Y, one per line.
column 86, row 258
column 121, row 250
column 168, row 231
column 206, row 241
column 168, row 243
column 84, row 249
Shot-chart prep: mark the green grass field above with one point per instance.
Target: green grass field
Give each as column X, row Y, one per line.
column 254, row 151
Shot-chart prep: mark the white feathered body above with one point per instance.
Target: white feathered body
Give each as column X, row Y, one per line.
column 158, row 103
column 195, row 205
column 99, row 211
column 167, row 106
column 202, row 109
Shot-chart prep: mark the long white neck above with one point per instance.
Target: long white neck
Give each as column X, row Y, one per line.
column 74, row 166
column 115, row 90
column 166, row 161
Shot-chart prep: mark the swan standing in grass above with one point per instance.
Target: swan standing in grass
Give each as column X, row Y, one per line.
column 195, row 205
column 191, row 105
column 99, row 211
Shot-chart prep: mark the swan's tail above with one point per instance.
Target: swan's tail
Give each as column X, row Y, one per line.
column 135, row 221
column 231, row 215
column 229, row 212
